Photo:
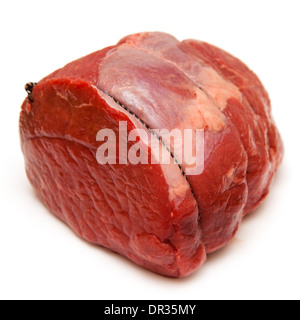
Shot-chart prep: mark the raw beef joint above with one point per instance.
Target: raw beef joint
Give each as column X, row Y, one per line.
column 155, row 214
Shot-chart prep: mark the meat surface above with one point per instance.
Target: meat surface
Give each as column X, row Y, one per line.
column 157, row 215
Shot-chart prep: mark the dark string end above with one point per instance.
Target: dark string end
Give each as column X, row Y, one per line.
column 29, row 88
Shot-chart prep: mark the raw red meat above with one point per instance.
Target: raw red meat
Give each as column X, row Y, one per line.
column 153, row 214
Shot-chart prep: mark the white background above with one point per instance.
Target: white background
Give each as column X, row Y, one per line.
column 40, row 258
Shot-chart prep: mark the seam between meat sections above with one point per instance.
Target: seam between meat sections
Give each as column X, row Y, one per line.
column 159, row 138
column 154, row 134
